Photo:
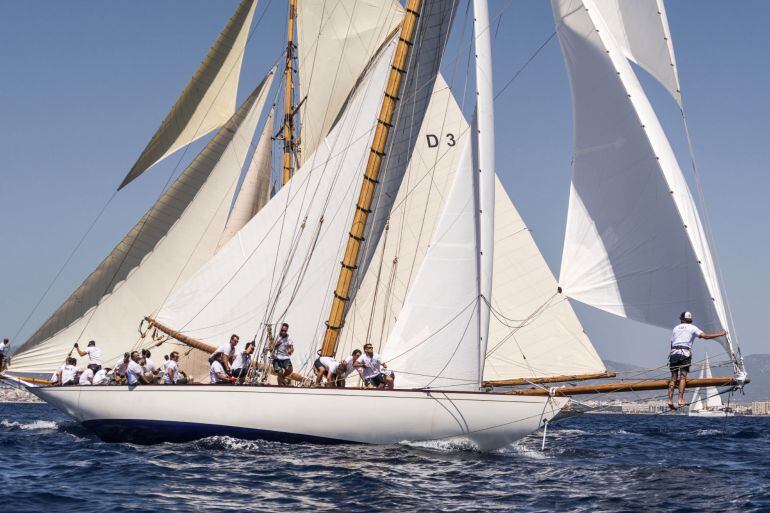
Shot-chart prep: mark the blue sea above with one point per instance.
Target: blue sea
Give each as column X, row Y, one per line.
column 48, row 463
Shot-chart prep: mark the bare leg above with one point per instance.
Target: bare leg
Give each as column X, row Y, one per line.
column 671, row 385
column 682, row 383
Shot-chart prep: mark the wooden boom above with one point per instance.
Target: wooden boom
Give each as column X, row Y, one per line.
column 552, row 379
column 626, row 386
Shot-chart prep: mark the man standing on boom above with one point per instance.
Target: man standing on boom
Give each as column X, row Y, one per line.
column 680, row 358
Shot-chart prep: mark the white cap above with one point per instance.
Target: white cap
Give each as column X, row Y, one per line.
column 686, row 315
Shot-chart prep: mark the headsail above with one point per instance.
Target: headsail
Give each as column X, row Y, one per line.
column 336, row 40
column 208, row 100
column 254, row 192
column 171, row 241
column 640, row 28
column 634, row 243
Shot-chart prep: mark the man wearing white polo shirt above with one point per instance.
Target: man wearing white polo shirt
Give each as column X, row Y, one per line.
column 680, row 357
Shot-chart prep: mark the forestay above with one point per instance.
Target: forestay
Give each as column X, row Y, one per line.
column 173, row 239
column 254, row 192
column 640, row 28
column 208, row 100
column 634, row 243
column 336, row 40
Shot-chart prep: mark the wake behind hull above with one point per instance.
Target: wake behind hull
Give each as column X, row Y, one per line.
column 153, row 414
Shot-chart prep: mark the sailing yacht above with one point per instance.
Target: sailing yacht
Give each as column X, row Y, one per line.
column 711, row 403
column 390, row 226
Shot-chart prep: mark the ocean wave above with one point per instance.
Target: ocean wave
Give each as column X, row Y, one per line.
column 447, row 445
column 708, row 432
column 518, row 449
column 228, row 443
column 37, row 424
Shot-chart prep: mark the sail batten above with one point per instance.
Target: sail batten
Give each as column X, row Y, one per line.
column 208, row 100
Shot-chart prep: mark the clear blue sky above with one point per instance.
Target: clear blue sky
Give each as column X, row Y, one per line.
column 85, row 84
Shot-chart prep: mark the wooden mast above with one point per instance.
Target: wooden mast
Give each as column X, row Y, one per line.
column 366, row 196
column 288, row 122
column 627, row 386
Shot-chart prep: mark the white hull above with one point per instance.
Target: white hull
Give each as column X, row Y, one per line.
column 711, row 413
column 156, row 413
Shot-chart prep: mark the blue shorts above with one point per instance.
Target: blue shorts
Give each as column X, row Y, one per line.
column 279, row 366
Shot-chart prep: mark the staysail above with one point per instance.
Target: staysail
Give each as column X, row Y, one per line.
column 336, row 40
column 208, row 100
column 634, row 244
column 254, row 192
column 171, row 241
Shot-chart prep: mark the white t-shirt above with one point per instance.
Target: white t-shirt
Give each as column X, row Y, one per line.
column 241, row 360
column 225, row 349
column 68, row 373
column 216, row 368
column 55, row 377
column 4, row 347
column 371, row 365
column 94, row 355
column 86, row 377
column 172, row 365
column 101, row 377
column 282, row 346
column 133, row 371
column 683, row 337
column 330, row 363
column 120, row 367
column 149, row 365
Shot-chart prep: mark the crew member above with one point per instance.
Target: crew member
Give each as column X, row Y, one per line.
column 173, row 375
column 228, row 350
column 680, row 358
column 68, row 374
column 374, row 376
column 5, row 346
column 121, row 366
column 217, row 371
column 284, row 348
column 329, row 368
column 352, row 364
column 242, row 360
column 150, row 371
column 102, row 377
column 135, row 372
column 87, row 376
column 93, row 352
column 57, row 373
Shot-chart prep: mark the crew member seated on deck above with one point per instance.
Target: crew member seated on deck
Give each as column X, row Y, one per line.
column 217, row 371
column 284, row 348
column 228, row 350
column 93, row 352
column 329, row 368
column 680, row 358
column 135, row 372
column 102, row 377
column 121, row 366
column 67, row 375
column 374, row 376
column 173, row 375
column 352, row 364
column 55, row 377
column 87, row 376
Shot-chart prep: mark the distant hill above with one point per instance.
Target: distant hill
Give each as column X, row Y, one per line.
column 757, row 365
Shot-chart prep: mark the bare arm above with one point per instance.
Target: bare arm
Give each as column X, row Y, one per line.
column 708, row 336
column 80, row 352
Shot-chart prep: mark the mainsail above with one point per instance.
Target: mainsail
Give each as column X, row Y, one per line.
column 208, row 100
column 171, row 241
column 634, row 244
column 336, row 40
column 254, row 192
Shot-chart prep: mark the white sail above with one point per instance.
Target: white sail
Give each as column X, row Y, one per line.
column 533, row 332
column 640, row 28
column 435, row 341
column 634, row 243
column 336, row 39
column 280, row 266
column 176, row 236
column 254, row 192
column 208, row 100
